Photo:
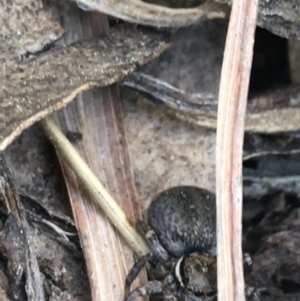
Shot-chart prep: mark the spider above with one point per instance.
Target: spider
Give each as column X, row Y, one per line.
column 182, row 239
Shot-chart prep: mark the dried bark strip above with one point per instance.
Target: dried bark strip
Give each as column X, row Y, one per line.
column 280, row 17
column 229, row 149
column 256, row 145
column 271, row 112
column 33, row 90
column 140, row 12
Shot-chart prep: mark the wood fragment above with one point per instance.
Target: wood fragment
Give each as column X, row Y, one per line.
column 229, row 148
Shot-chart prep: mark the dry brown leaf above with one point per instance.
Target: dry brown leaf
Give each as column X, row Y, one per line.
column 31, row 91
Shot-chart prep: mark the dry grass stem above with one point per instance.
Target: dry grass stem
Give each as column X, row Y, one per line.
column 96, row 190
column 229, row 150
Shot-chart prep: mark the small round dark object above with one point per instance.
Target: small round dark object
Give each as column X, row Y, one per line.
column 184, row 218
column 182, row 237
